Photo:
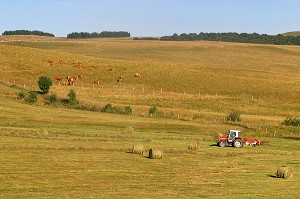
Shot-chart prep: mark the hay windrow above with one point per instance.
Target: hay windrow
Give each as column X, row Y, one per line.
column 194, row 144
column 138, row 149
column 284, row 172
column 155, row 154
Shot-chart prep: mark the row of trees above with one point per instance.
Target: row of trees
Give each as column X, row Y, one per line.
column 28, row 32
column 236, row 37
column 104, row 34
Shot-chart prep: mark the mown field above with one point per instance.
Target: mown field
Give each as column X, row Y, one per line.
column 51, row 151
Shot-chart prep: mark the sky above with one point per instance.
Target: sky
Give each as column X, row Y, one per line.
column 151, row 17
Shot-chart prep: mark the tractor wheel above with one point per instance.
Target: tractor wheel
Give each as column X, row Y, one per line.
column 221, row 144
column 238, row 143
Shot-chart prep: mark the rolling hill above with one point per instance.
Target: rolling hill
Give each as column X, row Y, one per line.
column 55, row 151
column 293, row 33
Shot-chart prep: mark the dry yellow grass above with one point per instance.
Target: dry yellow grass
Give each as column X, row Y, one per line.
column 56, row 152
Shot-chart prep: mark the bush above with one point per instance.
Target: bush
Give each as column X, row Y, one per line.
column 128, row 110
column 234, row 117
column 53, row 98
column 32, row 98
column 289, row 121
column 108, row 108
column 153, row 111
column 21, row 95
column 72, row 97
column 44, row 84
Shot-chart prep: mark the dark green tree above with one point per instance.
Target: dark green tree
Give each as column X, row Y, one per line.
column 44, row 84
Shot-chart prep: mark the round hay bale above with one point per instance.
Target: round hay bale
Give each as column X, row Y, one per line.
column 128, row 130
column 194, row 144
column 138, row 149
column 155, row 154
column 216, row 137
column 284, row 172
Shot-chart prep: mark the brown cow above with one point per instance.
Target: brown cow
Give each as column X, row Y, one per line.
column 50, row 62
column 57, row 79
column 77, row 77
column 96, row 82
column 71, row 81
column 65, row 82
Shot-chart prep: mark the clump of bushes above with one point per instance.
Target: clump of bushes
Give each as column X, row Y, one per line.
column 289, row 121
column 234, row 116
column 108, row 108
column 31, row 98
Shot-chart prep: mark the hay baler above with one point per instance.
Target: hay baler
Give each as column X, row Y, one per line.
column 233, row 138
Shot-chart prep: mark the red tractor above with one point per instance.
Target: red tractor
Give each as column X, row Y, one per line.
column 233, row 138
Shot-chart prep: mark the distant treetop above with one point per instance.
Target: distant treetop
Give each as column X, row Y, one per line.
column 28, row 32
column 236, row 37
column 104, row 34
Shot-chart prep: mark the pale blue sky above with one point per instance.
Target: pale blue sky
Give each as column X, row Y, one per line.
column 151, row 17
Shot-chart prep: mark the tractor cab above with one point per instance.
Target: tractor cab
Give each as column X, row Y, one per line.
column 232, row 134
column 232, row 138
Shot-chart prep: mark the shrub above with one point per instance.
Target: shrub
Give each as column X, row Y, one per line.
column 153, row 110
column 32, row 98
column 21, row 95
column 234, row 117
column 72, row 97
column 53, row 98
column 107, row 108
column 117, row 110
column 128, row 110
column 44, row 84
column 289, row 121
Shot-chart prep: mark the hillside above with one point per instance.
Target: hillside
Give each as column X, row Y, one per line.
column 258, row 70
column 293, row 33
column 55, row 151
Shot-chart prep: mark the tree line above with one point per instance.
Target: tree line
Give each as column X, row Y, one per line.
column 28, row 32
column 236, row 37
column 104, row 34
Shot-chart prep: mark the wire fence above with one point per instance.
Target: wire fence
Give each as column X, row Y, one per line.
column 115, row 88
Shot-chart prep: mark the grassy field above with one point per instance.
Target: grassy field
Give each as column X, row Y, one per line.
column 49, row 151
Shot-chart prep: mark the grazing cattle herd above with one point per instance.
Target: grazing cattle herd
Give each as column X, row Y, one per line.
column 68, row 80
column 71, row 80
